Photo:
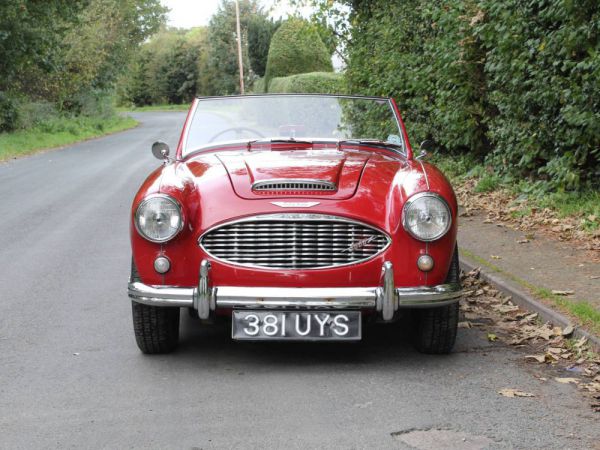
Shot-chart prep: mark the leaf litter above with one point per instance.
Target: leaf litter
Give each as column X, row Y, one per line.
column 521, row 215
column 544, row 344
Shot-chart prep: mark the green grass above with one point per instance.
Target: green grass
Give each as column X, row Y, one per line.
column 586, row 314
column 166, row 107
column 59, row 132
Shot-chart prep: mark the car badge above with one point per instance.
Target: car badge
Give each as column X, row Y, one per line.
column 360, row 244
column 295, row 204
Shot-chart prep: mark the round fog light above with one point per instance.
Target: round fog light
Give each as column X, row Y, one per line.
column 162, row 264
column 425, row 263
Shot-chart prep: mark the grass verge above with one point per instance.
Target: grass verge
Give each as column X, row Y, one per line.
column 581, row 310
column 167, row 107
column 59, row 132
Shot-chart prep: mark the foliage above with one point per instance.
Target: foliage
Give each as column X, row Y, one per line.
column 260, row 32
column 513, row 83
column 68, row 54
column 313, row 83
column 166, row 69
column 9, row 115
column 542, row 68
column 219, row 71
column 296, row 48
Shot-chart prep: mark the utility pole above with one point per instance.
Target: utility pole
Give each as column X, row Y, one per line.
column 239, row 46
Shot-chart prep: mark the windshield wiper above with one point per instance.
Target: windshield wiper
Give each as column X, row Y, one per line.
column 279, row 141
column 373, row 142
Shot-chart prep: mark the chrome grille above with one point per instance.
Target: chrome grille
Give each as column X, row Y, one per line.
column 293, row 186
column 294, row 241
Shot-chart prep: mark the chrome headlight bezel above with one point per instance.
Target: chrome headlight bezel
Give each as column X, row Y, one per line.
column 410, row 203
column 144, row 202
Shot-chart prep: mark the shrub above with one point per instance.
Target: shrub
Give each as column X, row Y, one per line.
column 9, row 115
column 313, row 83
column 514, row 82
column 296, row 48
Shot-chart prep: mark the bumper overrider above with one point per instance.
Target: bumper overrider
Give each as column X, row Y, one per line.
column 385, row 298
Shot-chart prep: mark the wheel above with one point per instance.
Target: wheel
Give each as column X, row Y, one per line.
column 436, row 327
column 156, row 328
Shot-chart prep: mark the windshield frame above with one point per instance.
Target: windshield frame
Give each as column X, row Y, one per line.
column 407, row 151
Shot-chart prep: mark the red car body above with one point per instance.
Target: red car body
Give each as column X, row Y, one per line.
column 213, row 187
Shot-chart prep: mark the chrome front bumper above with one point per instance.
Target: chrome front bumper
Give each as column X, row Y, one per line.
column 385, row 298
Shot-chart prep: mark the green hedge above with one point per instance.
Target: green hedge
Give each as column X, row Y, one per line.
column 310, row 83
column 514, row 82
column 296, row 48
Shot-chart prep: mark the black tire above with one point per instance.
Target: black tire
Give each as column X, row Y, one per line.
column 156, row 328
column 436, row 327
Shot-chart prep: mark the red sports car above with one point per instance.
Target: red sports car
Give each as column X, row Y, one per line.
column 300, row 217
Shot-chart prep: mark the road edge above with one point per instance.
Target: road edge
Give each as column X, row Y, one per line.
column 527, row 301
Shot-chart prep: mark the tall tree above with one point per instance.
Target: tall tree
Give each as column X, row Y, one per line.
column 220, row 74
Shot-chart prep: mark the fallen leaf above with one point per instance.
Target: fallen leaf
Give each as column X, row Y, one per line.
column 511, row 393
column 530, row 317
column 538, row 358
column 594, row 277
column 505, row 308
column 568, row 330
column 581, row 342
column 567, row 380
column 560, row 292
column 465, row 324
column 495, row 257
column 492, row 337
column 523, row 241
column 555, row 350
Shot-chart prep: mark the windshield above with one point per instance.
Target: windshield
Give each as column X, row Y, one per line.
column 298, row 117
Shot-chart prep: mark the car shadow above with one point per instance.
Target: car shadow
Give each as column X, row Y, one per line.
column 380, row 342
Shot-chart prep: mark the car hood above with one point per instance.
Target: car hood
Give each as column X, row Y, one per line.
column 341, row 169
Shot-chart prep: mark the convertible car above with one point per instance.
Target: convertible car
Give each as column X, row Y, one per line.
column 299, row 217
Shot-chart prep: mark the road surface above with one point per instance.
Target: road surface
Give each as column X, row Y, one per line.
column 71, row 375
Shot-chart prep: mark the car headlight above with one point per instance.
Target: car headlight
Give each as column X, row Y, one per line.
column 426, row 216
column 158, row 218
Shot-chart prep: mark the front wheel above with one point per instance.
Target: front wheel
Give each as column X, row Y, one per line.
column 436, row 327
column 156, row 328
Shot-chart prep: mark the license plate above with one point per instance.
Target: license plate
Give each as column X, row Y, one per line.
column 296, row 325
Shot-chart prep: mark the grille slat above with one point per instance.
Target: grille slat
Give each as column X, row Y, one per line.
column 294, row 241
column 294, row 186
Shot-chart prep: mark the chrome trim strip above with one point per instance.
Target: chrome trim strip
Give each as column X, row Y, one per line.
column 428, row 296
column 424, row 172
column 385, row 299
column 161, row 295
column 309, row 298
column 289, row 217
column 417, row 196
column 318, row 185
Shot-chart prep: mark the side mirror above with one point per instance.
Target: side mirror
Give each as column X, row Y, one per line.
column 426, row 146
column 160, row 150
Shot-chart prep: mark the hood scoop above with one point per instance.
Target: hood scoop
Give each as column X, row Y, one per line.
column 288, row 186
column 296, row 173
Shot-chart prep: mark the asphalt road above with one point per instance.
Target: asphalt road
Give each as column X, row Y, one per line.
column 71, row 375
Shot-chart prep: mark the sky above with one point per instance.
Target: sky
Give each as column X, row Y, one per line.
column 193, row 13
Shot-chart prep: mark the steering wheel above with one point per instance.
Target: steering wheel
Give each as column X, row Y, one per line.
column 237, row 130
